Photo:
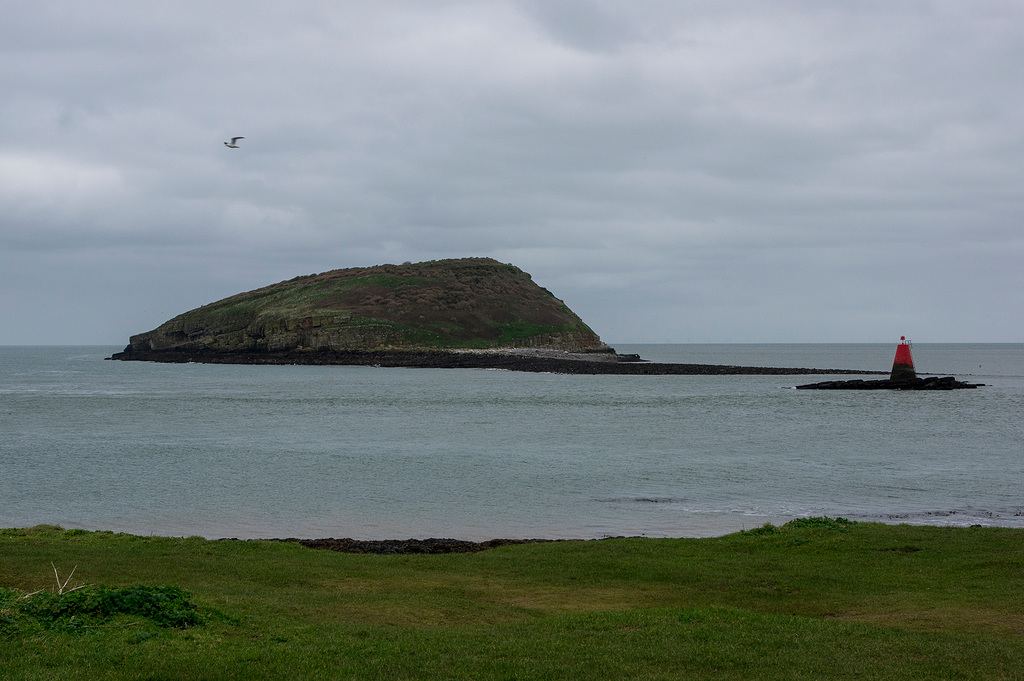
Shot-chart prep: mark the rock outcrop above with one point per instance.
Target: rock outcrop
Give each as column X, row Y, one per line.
column 914, row 383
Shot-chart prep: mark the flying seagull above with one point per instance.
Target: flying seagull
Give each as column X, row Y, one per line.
column 232, row 144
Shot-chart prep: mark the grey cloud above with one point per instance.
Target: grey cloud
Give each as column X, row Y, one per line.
column 741, row 171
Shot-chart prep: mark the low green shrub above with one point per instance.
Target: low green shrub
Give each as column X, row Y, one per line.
column 765, row 529
column 820, row 522
column 165, row 606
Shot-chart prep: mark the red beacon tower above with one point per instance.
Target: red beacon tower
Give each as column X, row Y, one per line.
column 903, row 365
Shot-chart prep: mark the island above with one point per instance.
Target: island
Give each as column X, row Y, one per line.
column 456, row 313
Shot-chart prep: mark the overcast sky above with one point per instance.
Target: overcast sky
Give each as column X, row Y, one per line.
column 674, row 171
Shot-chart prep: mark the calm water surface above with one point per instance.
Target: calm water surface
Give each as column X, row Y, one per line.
column 244, row 451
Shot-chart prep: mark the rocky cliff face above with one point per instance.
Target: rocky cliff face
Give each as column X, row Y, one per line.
column 437, row 305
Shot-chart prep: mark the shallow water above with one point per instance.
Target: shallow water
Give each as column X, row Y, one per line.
column 248, row 451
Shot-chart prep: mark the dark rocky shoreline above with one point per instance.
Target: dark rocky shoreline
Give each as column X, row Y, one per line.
column 560, row 363
column 403, row 546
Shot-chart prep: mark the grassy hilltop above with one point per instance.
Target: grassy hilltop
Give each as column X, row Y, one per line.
column 436, row 305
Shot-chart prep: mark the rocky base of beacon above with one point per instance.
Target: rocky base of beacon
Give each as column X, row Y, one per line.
column 927, row 383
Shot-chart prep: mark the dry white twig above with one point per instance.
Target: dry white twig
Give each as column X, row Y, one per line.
column 60, row 587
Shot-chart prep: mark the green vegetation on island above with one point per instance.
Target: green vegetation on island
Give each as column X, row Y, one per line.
column 437, row 305
column 815, row 598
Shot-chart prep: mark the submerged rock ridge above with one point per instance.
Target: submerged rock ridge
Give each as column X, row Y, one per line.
column 513, row 359
column 438, row 305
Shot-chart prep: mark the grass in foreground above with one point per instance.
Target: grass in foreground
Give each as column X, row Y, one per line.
column 812, row 599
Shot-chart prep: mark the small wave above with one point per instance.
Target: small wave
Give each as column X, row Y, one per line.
column 1013, row 517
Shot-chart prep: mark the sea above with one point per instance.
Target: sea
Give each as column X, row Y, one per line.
column 395, row 453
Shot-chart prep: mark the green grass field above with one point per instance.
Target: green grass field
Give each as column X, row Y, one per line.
column 813, row 599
